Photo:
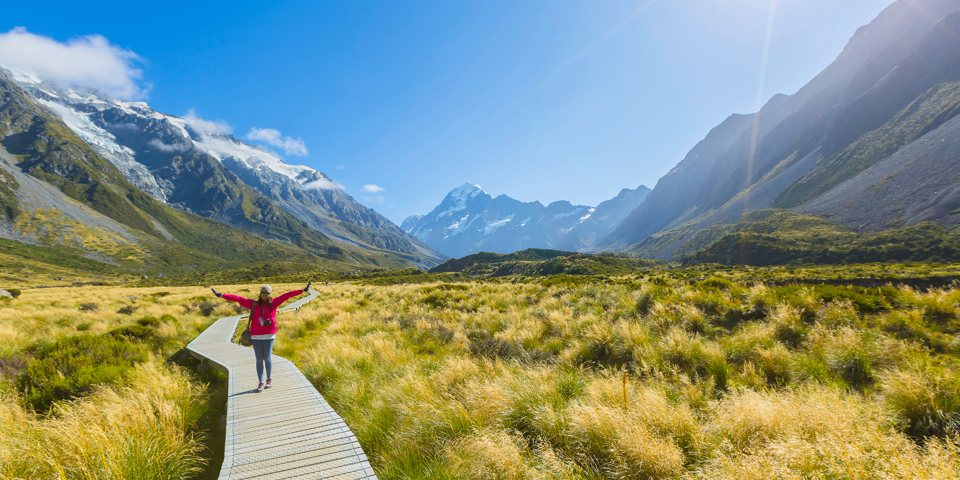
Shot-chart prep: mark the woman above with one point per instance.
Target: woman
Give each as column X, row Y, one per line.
column 263, row 327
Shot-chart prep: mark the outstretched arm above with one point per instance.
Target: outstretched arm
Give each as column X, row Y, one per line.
column 244, row 302
column 287, row 296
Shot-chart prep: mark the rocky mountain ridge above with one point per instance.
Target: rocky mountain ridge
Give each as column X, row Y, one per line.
column 469, row 220
column 197, row 166
column 862, row 109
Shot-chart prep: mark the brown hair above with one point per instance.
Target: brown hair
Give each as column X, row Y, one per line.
column 260, row 300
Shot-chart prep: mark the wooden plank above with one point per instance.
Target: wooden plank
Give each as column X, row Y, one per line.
column 288, row 431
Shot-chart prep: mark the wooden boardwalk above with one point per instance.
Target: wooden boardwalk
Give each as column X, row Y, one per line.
column 288, row 431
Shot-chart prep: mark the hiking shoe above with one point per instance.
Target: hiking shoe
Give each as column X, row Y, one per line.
column 269, row 383
column 260, row 387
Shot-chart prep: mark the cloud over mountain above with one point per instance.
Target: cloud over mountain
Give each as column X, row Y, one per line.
column 208, row 127
column 89, row 61
column 273, row 138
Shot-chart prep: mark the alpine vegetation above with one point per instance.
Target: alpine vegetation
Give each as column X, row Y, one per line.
column 629, row 377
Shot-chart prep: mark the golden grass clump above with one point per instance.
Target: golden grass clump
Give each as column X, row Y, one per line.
column 818, row 433
column 141, row 430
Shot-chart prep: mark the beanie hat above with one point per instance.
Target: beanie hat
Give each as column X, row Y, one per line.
column 266, row 289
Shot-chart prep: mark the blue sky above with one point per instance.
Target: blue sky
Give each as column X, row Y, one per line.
column 538, row 99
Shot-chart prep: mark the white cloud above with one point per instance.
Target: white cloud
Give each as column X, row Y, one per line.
column 340, row 167
column 373, row 199
column 273, row 138
column 163, row 147
column 372, row 188
column 322, row 184
column 91, row 61
column 207, row 127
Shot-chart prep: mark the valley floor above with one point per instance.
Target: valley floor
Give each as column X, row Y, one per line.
column 666, row 373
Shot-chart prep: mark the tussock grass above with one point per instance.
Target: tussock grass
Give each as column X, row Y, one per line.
column 662, row 376
column 638, row 378
column 85, row 393
column 141, row 430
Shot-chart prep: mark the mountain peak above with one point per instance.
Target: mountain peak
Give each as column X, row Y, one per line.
column 466, row 190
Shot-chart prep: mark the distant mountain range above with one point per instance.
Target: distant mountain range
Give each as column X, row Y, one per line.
column 196, row 166
column 871, row 143
column 469, row 220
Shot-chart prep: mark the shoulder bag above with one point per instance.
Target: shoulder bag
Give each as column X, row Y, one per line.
column 245, row 339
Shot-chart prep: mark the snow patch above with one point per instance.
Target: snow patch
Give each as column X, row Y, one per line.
column 105, row 144
column 493, row 226
column 589, row 213
column 222, row 147
column 565, row 215
column 459, row 197
column 461, row 225
column 23, row 76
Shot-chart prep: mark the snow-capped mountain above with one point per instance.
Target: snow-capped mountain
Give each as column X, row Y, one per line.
column 469, row 220
column 198, row 166
column 603, row 220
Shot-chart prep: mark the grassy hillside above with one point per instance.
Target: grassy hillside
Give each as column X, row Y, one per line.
column 788, row 238
column 540, row 262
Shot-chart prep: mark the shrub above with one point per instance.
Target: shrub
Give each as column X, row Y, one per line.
column 89, row 307
column 715, row 282
column 127, row 310
column 207, row 308
column 71, row 366
column 84, row 326
column 167, row 318
column 149, row 321
column 133, row 332
column 14, row 292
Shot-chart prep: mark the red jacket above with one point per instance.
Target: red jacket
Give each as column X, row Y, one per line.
column 266, row 311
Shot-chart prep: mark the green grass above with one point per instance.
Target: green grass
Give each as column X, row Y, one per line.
column 73, row 366
column 539, row 262
column 789, row 238
column 63, row 257
column 8, row 197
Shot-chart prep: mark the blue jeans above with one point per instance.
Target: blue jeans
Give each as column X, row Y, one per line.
column 262, row 349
